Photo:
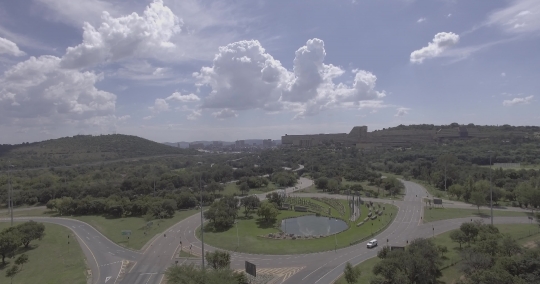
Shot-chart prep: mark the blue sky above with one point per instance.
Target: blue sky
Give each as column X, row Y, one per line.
column 186, row 70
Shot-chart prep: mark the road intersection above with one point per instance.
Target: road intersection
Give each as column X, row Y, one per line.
column 107, row 260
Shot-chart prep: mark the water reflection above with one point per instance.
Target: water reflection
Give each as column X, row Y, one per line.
column 312, row 225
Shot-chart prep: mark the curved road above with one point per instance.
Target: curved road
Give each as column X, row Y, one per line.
column 105, row 257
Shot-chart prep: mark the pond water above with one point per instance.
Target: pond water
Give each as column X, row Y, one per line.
column 311, row 225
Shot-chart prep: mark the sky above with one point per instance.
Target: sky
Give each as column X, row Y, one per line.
column 188, row 70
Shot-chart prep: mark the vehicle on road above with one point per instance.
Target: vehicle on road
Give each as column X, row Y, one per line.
column 372, row 243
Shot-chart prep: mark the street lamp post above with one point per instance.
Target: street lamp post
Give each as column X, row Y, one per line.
column 202, row 225
column 490, row 189
column 237, row 236
column 10, row 193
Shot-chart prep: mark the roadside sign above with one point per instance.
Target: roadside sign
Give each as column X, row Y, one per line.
column 437, row 201
column 251, row 269
column 126, row 232
column 396, row 248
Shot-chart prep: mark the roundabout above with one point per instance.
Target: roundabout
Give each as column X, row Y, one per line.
column 294, row 232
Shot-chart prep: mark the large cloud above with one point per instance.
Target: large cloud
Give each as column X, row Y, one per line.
column 10, row 48
column 146, row 36
column 518, row 101
column 244, row 76
column 440, row 43
column 39, row 91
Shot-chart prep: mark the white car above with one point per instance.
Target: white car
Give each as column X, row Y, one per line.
column 372, row 243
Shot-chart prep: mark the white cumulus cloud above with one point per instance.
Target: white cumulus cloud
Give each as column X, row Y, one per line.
column 146, row 36
column 440, row 43
column 225, row 113
column 39, row 91
column 244, row 76
column 159, row 105
column 402, row 111
column 10, row 48
column 518, row 101
column 421, row 20
column 177, row 96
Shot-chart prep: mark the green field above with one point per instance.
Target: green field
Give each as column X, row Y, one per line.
column 49, row 259
column 524, row 233
column 232, row 188
column 112, row 227
column 249, row 232
column 436, row 214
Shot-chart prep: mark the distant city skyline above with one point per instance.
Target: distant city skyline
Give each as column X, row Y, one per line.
column 193, row 70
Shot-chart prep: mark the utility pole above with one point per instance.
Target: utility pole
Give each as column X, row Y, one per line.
column 490, row 189
column 10, row 193
column 202, row 225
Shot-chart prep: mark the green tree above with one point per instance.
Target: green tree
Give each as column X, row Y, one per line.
column 478, row 199
column 459, row 237
column 268, row 212
column 244, row 188
column 470, row 230
column 214, row 186
column 250, row 203
column 456, row 190
column 351, row 273
column 21, row 260
column 12, row 271
column 29, row 231
column 218, row 259
column 9, row 242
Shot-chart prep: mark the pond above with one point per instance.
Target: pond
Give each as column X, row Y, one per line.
column 312, row 225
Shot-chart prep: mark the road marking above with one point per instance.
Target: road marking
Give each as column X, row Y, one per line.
column 107, row 279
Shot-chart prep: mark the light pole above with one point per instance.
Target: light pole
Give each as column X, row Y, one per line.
column 490, row 189
column 202, row 225
column 10, row 193
column 237, row 237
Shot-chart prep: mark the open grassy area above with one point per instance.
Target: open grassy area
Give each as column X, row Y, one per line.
column 49, row 259
column 524, row 233
column 140, row 234
column 436, row 214
column 232, row 188
column 112, row 227
column 250, row 230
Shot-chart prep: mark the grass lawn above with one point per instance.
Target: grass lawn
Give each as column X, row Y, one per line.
column 112, row 227
column 250, row 231
column 436, row 214
column 49, row 260
column 232, row 188
column 524, row 233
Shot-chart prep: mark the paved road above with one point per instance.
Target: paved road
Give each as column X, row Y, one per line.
column 105, row 258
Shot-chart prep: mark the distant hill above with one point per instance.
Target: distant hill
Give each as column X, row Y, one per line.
column 82, row 149
column 184, row 144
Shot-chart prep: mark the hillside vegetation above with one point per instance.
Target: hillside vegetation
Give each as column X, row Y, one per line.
column 80, row 149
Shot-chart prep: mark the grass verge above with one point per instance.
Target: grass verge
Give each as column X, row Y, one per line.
column 49, row 259
column 112, row 227
column 524, row 233
column 436, row 214
column 140, row 234
column 251, row 230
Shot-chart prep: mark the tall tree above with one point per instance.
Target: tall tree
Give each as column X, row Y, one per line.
column 218, row 259
column 351, row 273
column 9, row 242
column 12, row 271
column 29, row 231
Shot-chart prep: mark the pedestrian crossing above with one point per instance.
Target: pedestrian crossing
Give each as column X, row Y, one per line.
column 281, row 274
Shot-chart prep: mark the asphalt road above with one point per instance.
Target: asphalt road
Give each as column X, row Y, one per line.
column 105, row 258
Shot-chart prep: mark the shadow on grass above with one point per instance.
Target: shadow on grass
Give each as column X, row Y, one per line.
column 263, row 224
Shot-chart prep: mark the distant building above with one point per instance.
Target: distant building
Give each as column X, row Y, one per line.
column 217, row 144
column 360, row 138
column 196, row 146
column 267, row 143
column 240, row 143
